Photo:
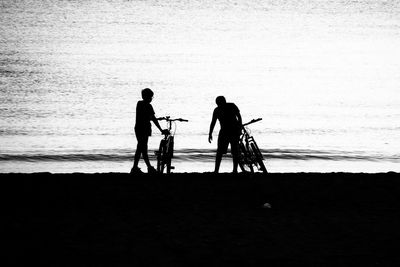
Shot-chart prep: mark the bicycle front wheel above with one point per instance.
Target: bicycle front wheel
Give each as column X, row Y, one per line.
column 169, row 153
column 161, row 156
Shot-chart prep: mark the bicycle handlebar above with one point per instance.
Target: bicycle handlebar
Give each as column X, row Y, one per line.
column 252, row 121
column 167, row 118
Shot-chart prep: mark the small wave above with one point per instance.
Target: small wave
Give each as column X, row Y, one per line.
column 201, row 155
column 65, row 157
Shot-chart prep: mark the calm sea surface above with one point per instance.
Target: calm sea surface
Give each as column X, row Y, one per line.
column 323, row 74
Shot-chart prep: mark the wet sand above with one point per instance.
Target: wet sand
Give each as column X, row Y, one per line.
column 335, row 219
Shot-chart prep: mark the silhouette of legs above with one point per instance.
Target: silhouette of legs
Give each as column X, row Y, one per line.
column 235, row 155
column 141, row 149
column 218, row 159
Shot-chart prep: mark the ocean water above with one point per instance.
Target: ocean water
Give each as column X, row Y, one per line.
column 323, row 75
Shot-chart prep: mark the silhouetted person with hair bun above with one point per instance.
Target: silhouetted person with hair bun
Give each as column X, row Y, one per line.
column 144, row 116
column 230, row 121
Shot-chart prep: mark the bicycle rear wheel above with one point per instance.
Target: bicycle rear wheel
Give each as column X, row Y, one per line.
column 244, row 159
column 246, row 167
column 258, row 157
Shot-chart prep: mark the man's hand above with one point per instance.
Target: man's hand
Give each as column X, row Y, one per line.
column 209, row 138
column 165, row 132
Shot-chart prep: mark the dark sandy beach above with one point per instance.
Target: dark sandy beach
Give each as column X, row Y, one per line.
column 204, row 219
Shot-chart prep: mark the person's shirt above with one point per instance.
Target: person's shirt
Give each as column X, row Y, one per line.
column 228, row 117
column 144, row 114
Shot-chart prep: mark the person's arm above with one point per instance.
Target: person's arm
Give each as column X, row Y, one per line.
column 238, row 116
column 212, row 125
column 155, row 121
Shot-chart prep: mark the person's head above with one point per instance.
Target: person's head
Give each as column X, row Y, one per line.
column 220, row 100
column 147, row 94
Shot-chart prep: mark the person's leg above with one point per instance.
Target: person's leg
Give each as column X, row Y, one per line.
column 144, row 149
column 218, row 159
column 235, row 154
column 137, row 156
column 223, row 143
column 150, row 169
column 139, row 149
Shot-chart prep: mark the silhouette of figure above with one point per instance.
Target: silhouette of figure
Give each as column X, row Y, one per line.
column 144, row 116
column 230, row 121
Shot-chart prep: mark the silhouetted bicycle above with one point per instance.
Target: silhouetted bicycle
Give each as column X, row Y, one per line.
column 250, row 156
column 166, row 151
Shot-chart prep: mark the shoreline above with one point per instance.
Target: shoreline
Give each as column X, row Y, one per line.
column 115, row 219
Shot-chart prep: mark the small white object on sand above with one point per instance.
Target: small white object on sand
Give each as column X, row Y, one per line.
column 267, row 206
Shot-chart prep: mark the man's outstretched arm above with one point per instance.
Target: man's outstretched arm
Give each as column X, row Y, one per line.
column 212, row 125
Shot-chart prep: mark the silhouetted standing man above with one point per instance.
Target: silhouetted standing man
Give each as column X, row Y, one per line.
column 144, row 116
column 230, row 121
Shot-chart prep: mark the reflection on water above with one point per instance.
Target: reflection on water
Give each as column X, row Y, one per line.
column 323, row 75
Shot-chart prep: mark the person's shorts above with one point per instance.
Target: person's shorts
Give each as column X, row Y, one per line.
column 225, row 139
column 142, row 131
column 142, row 136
